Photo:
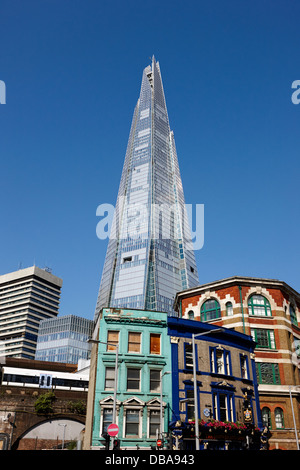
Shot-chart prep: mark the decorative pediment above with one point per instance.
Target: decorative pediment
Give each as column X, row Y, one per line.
column 191, row 383
column 223, row 384
column 154, row 402
column 133, row 401
column 108, row 401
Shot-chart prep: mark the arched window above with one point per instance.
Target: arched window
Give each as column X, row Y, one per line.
column 293, row 315
column 210, row 310
column 279, row 423
column 266, row 416
column 229, row 309
column 190, row 315
column 258, row 305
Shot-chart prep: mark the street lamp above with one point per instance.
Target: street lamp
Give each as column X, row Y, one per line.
column 295, row 427
column 195, row 382
column 63, row 440
column 161, row 412
column 95, row 341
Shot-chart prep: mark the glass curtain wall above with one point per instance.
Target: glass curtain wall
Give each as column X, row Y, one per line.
column 150, row 255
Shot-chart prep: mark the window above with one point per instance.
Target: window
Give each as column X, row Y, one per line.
column 154, row 380
column 259, row 306
column 220, row 361
column 112, row 339
column 107, row 419
column 109, row 378
column 293, row 315
column 134, row 342
column 154, row 423
column 229, row 309
column 267, row 373
column 190, row 404
column 279, row 423
column 45, row 381
column 133, row 379
column 154, row 343
column 188, row 355
column 266, row 416
column 191, row 315
column 264, row 338
column 132, row 423
column 244, row 367
column 223, row 406
column 210, row 310
column 297, row 347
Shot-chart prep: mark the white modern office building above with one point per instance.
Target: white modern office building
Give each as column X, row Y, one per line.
column 64, row 339
column 27, row 296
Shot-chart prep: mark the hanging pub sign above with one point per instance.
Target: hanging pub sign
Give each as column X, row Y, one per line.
column 248, row 415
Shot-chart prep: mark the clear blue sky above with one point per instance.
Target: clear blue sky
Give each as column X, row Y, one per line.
column 73, row 71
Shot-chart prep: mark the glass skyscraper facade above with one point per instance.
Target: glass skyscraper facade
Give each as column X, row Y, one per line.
column 64, row 339
column 150, row 255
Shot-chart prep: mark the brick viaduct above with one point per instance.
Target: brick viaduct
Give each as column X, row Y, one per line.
column 19, row 416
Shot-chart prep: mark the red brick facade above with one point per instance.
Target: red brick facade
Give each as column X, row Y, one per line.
column 281, row 355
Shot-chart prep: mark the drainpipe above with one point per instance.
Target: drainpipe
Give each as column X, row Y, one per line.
column 240, row 289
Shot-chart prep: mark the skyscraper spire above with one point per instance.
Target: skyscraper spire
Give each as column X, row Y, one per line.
column 150, row 256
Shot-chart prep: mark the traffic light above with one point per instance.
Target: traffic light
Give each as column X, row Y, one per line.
column 106, row 436
column 116, row 444
column 169, row 445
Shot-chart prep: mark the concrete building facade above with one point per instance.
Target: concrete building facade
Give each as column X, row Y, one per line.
column 27, row 296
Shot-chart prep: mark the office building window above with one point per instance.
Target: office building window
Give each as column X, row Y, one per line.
column 191, row 315
column 134, row 342
column 132, row 423
column 263, row 337
column 107, row 419
column 109, row 378
column 133, row 379
column 188, row 355
column 229, row 309
column 210, row 310
column 154, row 423
column 279, row 422
column 259, row 306
column 297, row 347
column 223, row 406
column 266, row 416
column 220, row 361
column 154, row 343
column 155, row 380
column 244, row 367
column 113, row 340
column 190, row 404
column 293, row 315
column 267, row 373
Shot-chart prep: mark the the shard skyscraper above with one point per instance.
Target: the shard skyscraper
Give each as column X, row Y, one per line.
column 150, row 256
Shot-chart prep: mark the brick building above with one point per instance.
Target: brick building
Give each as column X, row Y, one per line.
column 269, row 311
column 22, row 383
column 227, row 396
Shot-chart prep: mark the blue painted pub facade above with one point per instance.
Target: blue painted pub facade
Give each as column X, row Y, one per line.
column 228, row 401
